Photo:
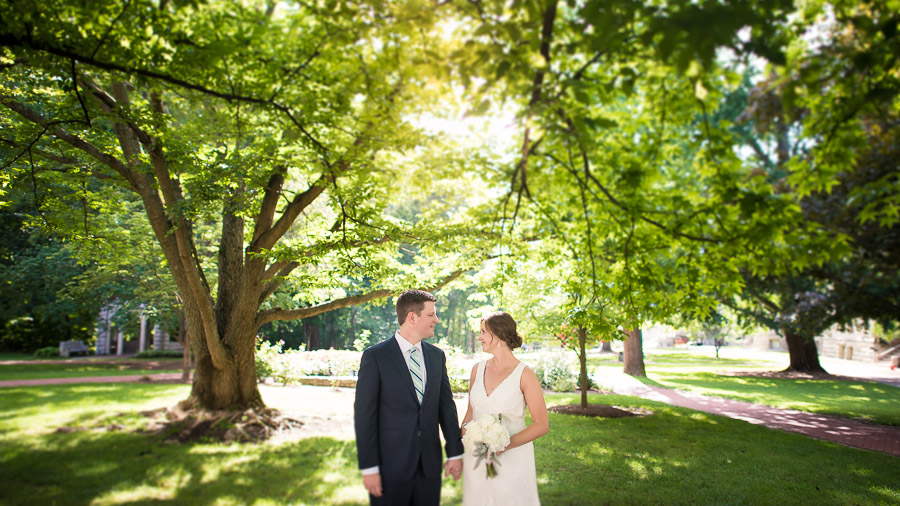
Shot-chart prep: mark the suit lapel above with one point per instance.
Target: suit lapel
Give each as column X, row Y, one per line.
column 432, row 369
column 402, row 369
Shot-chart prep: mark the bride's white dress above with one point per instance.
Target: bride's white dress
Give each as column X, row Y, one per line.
column 516, row 481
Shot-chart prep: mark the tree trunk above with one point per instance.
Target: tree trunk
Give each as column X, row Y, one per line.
column 183, row 338
column 232, row 385
column 582, row 360
column 803, row 353
column 448, row 329
column 634, row 354
column 312, row 336
column 605, row 347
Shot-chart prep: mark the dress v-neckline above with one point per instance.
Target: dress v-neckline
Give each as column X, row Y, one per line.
column 484, row 380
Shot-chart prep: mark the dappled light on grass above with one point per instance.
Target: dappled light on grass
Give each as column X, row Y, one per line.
column 859, row 399
column 679, row 456
column 890, row 496
column 672, row 456
column 75, row 370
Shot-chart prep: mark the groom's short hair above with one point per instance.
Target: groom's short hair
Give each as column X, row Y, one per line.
column 412, row 300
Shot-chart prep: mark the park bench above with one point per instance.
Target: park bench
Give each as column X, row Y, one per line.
column 68, row 347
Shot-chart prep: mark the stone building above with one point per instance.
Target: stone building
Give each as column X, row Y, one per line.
column 111, row 340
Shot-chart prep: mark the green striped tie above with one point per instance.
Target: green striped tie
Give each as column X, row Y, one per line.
column 415, row 370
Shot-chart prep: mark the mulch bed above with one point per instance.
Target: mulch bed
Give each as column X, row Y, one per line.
column 598, row 410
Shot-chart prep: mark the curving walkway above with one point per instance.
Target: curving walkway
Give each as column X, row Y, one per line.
column 843, row 431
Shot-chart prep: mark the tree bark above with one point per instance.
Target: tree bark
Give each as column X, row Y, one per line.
column 605, row 347
column 183, row 338
column 582, row 360
column 804, row 354
column 312, row 337
column 634, row 354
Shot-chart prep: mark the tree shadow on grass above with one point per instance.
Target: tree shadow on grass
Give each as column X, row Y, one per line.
column 864, row 399
column 681, row 456
column 98, row 466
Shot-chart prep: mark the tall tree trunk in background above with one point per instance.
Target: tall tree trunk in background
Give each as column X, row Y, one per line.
column 605, row 347
column 352, row 336
column 803, row 353
column 312, row 335
column 447, row 333
column 634, row 354
column 582, row 360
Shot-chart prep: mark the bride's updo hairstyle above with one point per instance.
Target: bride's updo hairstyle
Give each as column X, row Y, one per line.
column 503, row 326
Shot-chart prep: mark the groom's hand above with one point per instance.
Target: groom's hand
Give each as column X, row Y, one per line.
column 372, row 482
column 453, row 468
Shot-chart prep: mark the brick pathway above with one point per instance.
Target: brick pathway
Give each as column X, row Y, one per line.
column 844, row 431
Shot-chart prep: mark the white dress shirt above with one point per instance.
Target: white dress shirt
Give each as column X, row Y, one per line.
column 405, row 347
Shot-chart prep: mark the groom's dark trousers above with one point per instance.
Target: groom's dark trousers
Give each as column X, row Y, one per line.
column 395, row 432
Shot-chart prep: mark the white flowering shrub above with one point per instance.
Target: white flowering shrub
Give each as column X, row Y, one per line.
column 556, row 370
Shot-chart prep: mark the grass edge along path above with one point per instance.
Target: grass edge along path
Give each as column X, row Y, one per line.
column 674, row 455
column 733, row 378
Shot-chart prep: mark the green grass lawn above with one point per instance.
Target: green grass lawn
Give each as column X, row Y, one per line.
column 875, row 402
column 706, row 375
column 5, row 356
column 674, row 456
column 71, row 370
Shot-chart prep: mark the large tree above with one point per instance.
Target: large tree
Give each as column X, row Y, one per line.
column 621, row 163
column 281, row 123
column 822, row 125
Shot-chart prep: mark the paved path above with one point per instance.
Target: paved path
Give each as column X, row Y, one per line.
column 844, row 431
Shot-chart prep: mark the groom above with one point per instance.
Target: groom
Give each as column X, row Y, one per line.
column 402, row 396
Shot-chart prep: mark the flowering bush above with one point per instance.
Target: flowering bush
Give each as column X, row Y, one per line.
column 287, row 366
column 326, row 362
column 458, row 367
column 266, row 357
column 555, row 370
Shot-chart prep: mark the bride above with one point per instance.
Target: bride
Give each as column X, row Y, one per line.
column 504, row 385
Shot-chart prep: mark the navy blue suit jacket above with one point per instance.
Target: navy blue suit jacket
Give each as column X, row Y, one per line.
column 392, row 430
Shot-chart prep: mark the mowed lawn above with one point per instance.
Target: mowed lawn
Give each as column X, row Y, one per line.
column 872, row 401
column 78, row 444
column 76, row 370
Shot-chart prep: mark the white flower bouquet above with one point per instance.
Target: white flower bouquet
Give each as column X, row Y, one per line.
column 484, row 438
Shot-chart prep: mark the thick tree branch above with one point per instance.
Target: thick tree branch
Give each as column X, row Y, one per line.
column 301, row 201
column 264, row 317
column 28, row 42
column 278, row 271
column 72, row 140
column 270, row 202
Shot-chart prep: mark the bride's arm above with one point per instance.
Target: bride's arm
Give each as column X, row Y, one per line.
column 469, row 414
column 534, row 398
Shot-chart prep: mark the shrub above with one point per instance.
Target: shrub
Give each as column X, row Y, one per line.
column 458, row 362
column 564, row 384
column 48, row 351
column 159, row 354
column 459, row 385
column 267, row 356
column 287, row 366
column 555, row 369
